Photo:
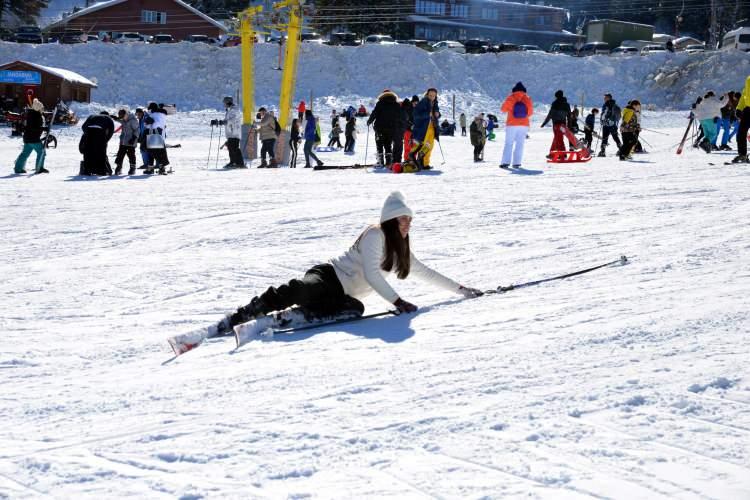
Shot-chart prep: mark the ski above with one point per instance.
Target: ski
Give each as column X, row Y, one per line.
column 684, row 137
column 185, row 342
column 343, row 167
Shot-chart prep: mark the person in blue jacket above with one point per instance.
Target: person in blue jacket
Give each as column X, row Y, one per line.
column 424, row 130
column 310, row 138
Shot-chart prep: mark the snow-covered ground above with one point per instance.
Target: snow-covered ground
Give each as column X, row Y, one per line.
column 628, row 382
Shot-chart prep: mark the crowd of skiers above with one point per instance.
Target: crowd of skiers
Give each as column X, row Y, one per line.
column 727, row 116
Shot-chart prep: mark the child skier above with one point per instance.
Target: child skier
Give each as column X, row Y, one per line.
column 588, row 128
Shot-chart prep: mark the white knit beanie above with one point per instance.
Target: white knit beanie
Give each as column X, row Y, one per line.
column 394, row 206
column 37, row 105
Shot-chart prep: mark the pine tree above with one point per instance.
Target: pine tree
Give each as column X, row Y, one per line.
column 25, row 10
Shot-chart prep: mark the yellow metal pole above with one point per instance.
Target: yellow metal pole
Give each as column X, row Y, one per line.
column 289, row 75
column 247, row 35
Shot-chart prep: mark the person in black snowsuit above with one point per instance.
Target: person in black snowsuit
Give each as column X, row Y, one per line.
column 97, row 131
column 351, row 125
column 610, row 119
column 294, row 141
column 588, row 128
column 387, row 119
column 559, row 114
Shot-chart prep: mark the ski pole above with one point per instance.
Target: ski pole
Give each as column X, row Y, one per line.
column 441, row 151
column 502, row 289
column 210, row 145
column 218, row 148
column 654, row 131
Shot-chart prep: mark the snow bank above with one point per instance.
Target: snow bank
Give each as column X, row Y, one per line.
column 196, row 76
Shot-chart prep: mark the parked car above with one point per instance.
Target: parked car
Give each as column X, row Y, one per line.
column 163, row 38
column 422, row 44
column 128, row 37
column 343, row 38
column 379, row 40
column 92, row 38
column 28, row 34
column 451, row 45
column 530, row 48
column 594, row 48
column 197, row 39
column 503, row 47
column 73, row 36
column 694, row 49
column 6, row 35
column 653, row 49
column 475, row 46
column 624, row 51
column 311, row 37
column 563, row 48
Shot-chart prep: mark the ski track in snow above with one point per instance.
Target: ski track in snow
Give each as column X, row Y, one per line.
column 628, row 382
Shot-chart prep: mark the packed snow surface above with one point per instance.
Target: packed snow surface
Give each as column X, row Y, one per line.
column 627, row 382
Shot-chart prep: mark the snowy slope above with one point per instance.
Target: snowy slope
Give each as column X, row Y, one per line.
column 196, row 76
column 630, row 382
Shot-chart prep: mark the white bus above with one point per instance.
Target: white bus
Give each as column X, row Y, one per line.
column 737, row 39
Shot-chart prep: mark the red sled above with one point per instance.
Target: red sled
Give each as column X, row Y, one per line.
column 577, row 156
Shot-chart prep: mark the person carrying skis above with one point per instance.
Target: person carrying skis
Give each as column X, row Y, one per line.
column 588, row 128
column 32, row 139
column 610, row 119
column 629, row 128
column 559, row 114
column 424, row 131
column 462, row 123
column 519, row 108
column 336, row 287
column 97, row 131
column 311, row 137
column 233, row 131
column 388, row 124
column 129, row 132
column 743, row 114
column 477, row 137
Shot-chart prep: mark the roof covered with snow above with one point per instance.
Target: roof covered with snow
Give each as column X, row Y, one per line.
column 65, row 74
column 110, row 3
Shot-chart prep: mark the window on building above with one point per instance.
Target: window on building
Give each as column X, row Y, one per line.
column 489, row 14
column 541, row 20
column 429, row 8
column 460, row 10
column 153, row 17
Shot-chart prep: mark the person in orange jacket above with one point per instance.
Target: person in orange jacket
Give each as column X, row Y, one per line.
column 519, row 108
column 301, row 110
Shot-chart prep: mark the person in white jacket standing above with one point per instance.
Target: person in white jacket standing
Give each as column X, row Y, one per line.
column 706, row 113
column 233, row 126
column 335, row 287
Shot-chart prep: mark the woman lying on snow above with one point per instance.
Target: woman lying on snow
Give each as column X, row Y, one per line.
column 333, row 289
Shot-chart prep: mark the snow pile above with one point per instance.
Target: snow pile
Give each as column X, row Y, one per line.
column 196, row 76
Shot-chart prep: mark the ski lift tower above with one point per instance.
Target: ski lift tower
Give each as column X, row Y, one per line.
column 247, row 36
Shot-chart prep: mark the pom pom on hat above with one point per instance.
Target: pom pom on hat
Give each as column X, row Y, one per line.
column 395, row 206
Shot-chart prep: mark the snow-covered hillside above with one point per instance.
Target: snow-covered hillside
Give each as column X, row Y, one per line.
column 195, row 76
column 628, row 382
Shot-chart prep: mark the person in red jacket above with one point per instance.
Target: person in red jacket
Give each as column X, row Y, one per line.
column 519, row 108
column 301, row 110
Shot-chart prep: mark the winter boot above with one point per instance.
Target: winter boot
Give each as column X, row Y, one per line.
column 118, row 169
column 263, row 164
column 320, row 163
column 42, row 170
column 19, row 170
column 162, row 170
column 601, row 154
column 740, row 159
column 705, row 145
column 516, row 166
column 132, row 170
column 504, row 165
column 725, row 147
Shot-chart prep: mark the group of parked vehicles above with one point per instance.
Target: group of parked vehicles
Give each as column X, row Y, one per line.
column 738, row 39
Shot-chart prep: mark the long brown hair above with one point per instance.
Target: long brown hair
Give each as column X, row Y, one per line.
column 396, row 251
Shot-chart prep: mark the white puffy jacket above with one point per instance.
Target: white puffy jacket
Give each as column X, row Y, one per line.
column 359, row 272
column 233, row 123
column 709, row 107
column 160, row 122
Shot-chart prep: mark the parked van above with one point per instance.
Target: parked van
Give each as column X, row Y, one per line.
column 738, row 39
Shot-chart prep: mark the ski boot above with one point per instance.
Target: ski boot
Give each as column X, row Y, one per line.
column 740, row 159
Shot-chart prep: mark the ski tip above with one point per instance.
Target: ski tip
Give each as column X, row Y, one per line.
column 623, row 260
